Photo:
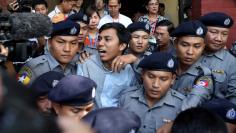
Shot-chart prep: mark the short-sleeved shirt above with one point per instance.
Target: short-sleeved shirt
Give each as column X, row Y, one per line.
column 223, row 66
column 110, row 85
column 42, row 64
column 196, row 94
column 121, row 19
column 154, row 117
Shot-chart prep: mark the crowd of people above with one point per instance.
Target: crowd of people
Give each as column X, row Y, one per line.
column 100, row 71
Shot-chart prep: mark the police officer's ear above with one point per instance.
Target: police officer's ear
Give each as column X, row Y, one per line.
column 122, row 46
column 173, row 78
column 56, row 107
column 176, row 42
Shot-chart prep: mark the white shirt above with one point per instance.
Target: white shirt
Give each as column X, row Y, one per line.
column 57, row 11
column 121, row 19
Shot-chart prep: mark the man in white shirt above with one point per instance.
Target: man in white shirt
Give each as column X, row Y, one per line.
column 114, row 14
column 62, row 11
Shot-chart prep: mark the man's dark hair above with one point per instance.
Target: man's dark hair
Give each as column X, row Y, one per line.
column 117, row 1
column 39, row 2
column 169, row 24
column 122, row 33
column 198, row 120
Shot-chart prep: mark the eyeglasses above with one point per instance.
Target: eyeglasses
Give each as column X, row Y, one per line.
column 153, row 4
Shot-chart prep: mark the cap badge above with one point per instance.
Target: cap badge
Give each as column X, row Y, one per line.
column 147, row 27
column 73, row 31
column 170, row 63
column 199, row 31
column 132, row 131
column 54, row 83
column 85, row 18
column 93, row 92
column 231, row 114
column 227, row 21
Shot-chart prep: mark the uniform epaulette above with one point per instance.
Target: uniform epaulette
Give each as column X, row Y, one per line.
column 37, row 61
column 177, row 94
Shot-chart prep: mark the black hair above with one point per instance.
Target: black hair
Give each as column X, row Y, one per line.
column 118, row 1
column 90, row 10
column 39, row 2
column 122, row 33
column 198, row 120
column 169, row 24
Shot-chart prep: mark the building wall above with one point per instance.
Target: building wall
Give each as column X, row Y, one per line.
column 172, row 10
column 201, row 7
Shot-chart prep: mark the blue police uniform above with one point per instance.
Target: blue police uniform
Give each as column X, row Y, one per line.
column 45, row 82
column 222, row 63
column 166, row 108
column 37, row 66
column 138, row 26
column 113, row 120
column 196, row 83
column 73, row 90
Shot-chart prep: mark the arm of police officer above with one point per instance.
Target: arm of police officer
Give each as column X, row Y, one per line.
column 83, row 56
column 202, row 91
column 121, row 61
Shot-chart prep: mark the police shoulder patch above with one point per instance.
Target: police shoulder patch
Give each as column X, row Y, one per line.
column 24, row 75
column 203, row 81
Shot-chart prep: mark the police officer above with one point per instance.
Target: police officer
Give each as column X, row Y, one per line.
column 73, row 96
column 219, row 60
column 193, row 79
column 83, row 21
column 154, row 102
column 113, row 120
column 138, row 44
column 226, row 110
column 63, row 46
column 41, row 87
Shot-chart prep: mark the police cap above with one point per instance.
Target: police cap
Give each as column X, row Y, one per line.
column 73, row 90
column 217, row 19
column 224, row 108
column 79, row 17
column 136, row 26
column 65, row 28
column 159, row 61
column 45, row 82
column 190, row 28
column 113, row 120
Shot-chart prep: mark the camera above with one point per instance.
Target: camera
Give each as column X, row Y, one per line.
column 19, row 50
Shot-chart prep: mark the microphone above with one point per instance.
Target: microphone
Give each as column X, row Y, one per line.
column 29, row 25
